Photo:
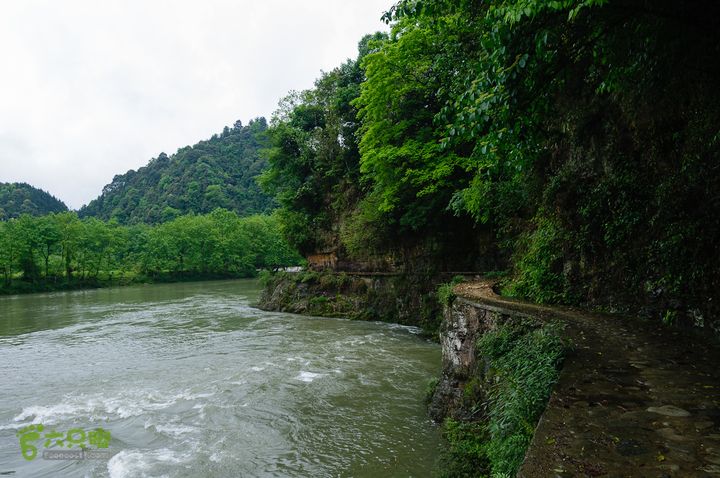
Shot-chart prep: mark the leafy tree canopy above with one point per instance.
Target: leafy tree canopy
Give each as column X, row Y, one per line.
column 582, row 133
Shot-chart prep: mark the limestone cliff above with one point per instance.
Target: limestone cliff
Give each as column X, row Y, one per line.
column 464, row 322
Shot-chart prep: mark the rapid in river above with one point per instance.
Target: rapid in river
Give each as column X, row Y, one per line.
column 191, row 381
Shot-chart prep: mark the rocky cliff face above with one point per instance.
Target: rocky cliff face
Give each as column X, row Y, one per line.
column 399, row 298
column 464, row 322
column 500, row 363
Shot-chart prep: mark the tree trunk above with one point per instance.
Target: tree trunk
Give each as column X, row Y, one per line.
column 47, row 260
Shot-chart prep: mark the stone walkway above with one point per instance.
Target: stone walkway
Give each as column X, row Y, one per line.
column 635, row 398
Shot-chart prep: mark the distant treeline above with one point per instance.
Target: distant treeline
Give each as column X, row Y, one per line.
column 61, row 250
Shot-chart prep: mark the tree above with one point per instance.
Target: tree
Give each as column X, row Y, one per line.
column 69, row 228
column 28, row 242
column 314, row 169
column 21, row 198
column 48, row 231
column 8, row 250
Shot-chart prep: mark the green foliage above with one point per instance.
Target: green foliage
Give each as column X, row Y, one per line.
column 319, row 301
column 45, row 250
column 669, row 317
column 310, row 276
column 217, row 173
column 21, row 198
column 521, row 365
column 265, row 277
column 397, row 133
column 524, row 364
column 314, row 159
column 558, row 129
column 430, row 389
column 445, row 292
column 580, row 134
column 539, row 274
column 334, row 281
column 366, row 230
column 464, row 455
column 357, row 165
column 411, row 176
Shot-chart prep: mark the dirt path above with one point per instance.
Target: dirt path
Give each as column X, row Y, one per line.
column 635, row 399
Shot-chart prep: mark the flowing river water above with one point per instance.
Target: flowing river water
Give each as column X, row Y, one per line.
column 192, row 381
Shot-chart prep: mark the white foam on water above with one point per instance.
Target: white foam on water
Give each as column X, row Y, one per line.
column 216, row 457
column 201, row 407
column 257, row 369
column 351, row 342
column 124, row 405
column 133, row 463
column 201, row 395
column 409, row 328
column 52, row 413
column 175, row 430
column 308, row 376
column 14, row 426
column 172, row 429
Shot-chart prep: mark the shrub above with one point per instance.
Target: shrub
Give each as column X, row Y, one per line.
column 538, row 264
column 524, row 365
column 464, row 455
column 445, row 292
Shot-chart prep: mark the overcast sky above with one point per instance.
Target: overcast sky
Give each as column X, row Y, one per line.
column 92, row 88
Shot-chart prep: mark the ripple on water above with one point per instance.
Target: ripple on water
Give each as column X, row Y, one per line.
column 191, row 381
column 101, row 407
column 308, row 376
column 133, row 463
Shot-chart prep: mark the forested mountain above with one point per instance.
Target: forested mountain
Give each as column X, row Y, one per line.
column 217, row 173
column 21, row 198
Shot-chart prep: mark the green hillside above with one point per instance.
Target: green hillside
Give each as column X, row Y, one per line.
column 21, row 198
column 217, row 173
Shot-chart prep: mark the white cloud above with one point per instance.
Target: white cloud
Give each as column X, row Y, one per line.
column 93, row 88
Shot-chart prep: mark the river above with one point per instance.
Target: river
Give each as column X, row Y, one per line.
column 191, row 381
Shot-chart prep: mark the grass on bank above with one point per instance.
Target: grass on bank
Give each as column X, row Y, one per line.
column 521, row 364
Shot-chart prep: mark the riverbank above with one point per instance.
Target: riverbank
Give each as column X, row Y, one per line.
column 498, row 367
column 407, row 299
column 542, row 390
column 58, row 284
